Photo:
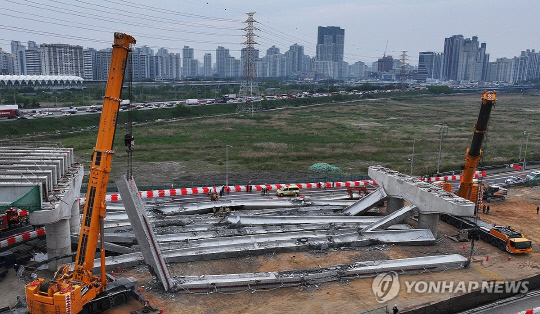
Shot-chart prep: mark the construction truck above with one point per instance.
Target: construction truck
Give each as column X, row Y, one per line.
column 13, row 216
column 503, row 237
column 78, row 290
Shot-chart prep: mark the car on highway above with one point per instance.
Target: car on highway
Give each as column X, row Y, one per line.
column 533, row 177
column 514, row 180
column 289, row 190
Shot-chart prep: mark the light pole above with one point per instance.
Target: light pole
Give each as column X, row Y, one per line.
column 227, row 165
column 443, row 129
column 525, row 155
column 412, row 156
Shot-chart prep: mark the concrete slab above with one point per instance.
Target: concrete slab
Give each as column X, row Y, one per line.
column 427, row 197
column 146, row 238
column 366, row 203
column 300, row 241
column 271, row 280
column 392, row 219
column 281, row 220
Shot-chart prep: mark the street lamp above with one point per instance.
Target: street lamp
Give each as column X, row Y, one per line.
column 525, row 155
column 442, row 131
column 227, row 165
column 412, row 156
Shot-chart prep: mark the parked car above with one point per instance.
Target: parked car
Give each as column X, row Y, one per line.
column 289, row 190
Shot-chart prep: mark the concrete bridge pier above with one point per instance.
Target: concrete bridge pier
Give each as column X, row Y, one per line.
column 58, row 242
column 61, row 217
column 394, row 204
column 429, row 221
column 75, row 220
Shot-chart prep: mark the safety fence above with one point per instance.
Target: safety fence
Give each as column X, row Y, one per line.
column 270, row 187
column 29, row 235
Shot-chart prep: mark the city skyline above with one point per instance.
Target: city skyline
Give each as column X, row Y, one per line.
column 414, row 27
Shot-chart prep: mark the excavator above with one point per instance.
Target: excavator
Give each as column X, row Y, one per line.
column 78, row 290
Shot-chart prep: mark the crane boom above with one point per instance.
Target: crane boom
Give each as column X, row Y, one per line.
column 69, row 292
column 474, row 152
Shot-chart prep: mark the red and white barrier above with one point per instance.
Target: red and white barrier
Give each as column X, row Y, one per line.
column 22, row 237
column 243, row 188
column 238, row 188
column 536, row 310
column 453, row 178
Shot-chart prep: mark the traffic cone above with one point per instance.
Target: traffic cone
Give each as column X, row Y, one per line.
column 509, row 258
column 487, row 258
column 112, row 273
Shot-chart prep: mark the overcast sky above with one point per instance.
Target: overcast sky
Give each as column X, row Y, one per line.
column 507, row 27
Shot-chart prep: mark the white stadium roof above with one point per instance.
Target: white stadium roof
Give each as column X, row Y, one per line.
column 40, row 79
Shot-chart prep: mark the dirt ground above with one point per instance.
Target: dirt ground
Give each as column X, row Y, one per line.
column 354, row 296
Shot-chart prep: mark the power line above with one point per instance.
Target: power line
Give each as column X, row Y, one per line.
column 110, row 30
column 114, row 19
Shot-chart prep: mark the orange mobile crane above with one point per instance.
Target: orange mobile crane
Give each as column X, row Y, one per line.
column 78, row 291
column 467, row 188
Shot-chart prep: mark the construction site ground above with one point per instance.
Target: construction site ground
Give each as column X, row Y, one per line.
column 353, row 296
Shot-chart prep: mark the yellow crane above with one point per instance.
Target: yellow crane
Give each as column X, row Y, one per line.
column 79, row 291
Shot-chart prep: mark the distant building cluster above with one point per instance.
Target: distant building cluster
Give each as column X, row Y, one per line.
column 463, row 61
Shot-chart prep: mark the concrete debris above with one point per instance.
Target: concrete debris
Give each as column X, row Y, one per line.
column 392, row 219
column 264, row 244
column 207, row 207
column 313, row 277
column 273, row 220
column 366, row 203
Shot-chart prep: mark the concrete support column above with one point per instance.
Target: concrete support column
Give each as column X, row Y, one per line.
column 75, row 220
column 394, row 204
column 429, row 221
column 58, row 242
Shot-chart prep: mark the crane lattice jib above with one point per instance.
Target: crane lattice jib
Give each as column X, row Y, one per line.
column 94, row 210
column 474, row 152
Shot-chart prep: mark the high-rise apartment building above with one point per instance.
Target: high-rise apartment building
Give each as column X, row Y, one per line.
column 32, row 56
column 221, row 56
column 465, row 59
column 89, row 56
column 472, row 61
column 62, row 59
column 17, row 49
column 501, row 70
column 385, row 64
column 207, row 65
column 102, row 64
column 296, row 58
column 189, row 64
column 330, row 47
column 429, row 66
column 526, row 66
column 452, row 47
column 6, row 63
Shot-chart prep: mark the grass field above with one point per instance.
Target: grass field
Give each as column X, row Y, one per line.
column 350, row 135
